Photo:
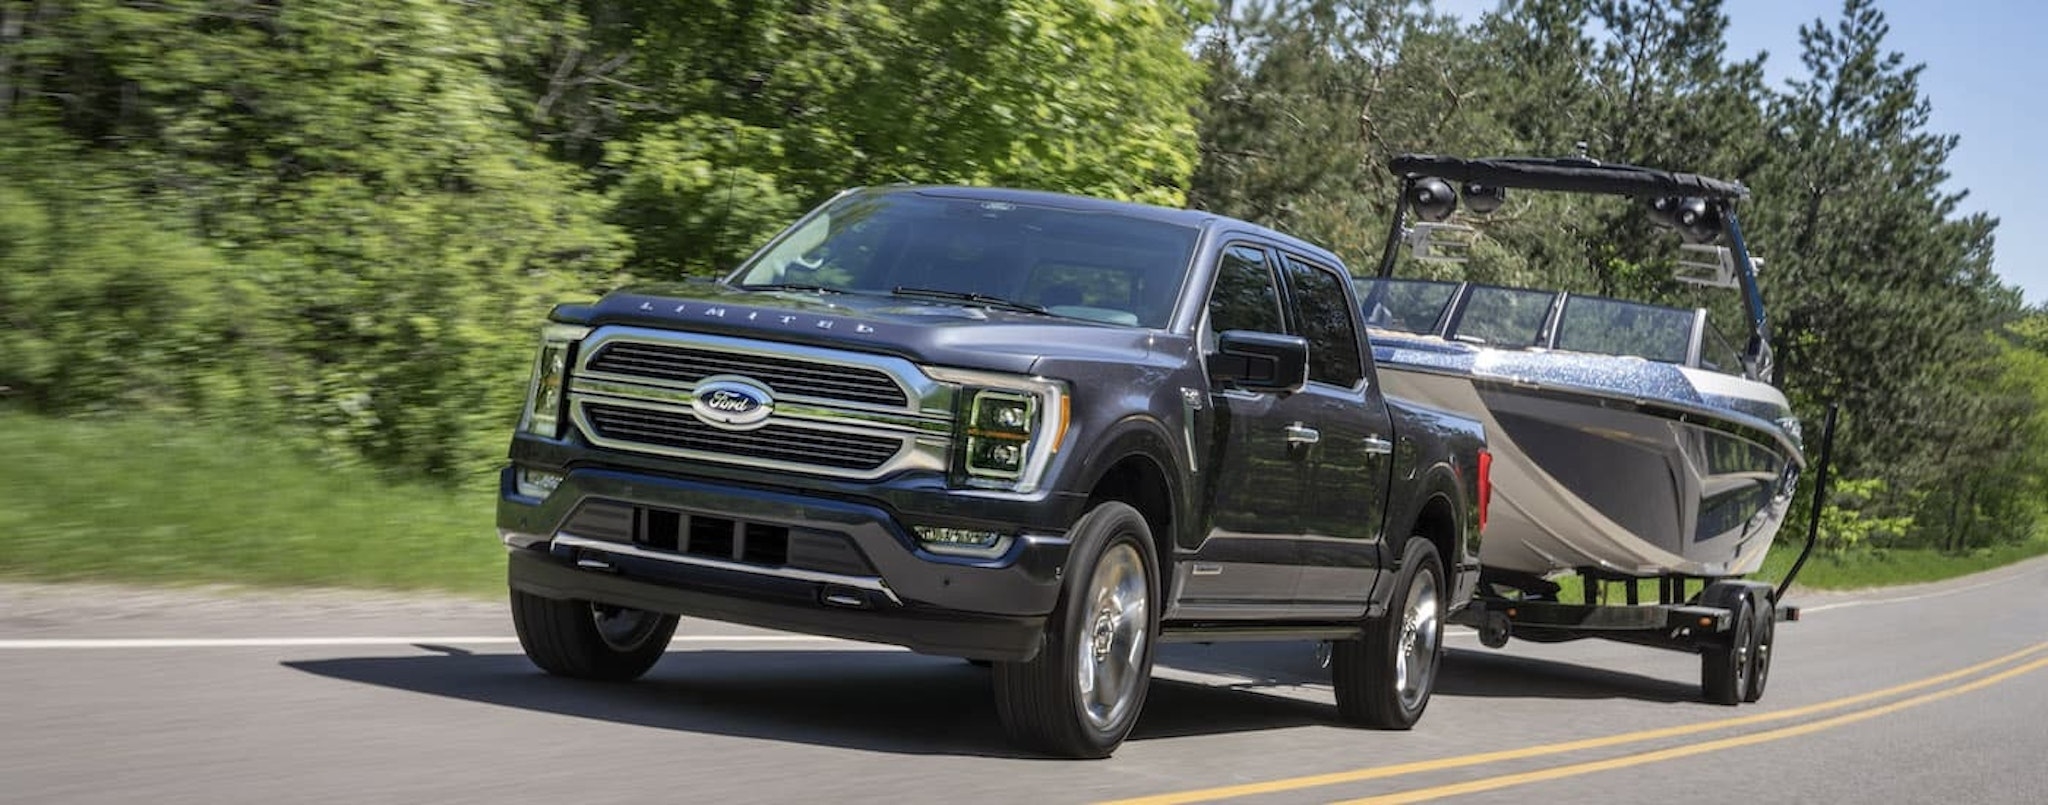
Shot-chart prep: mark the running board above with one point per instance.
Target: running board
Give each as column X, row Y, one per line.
column 1224, row 633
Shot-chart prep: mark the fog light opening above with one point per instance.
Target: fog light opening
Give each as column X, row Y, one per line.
column 963, row 541
column 536, row 484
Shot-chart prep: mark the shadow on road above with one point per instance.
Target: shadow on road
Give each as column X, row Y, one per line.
column 1490, row 674
column 893, row 701
column 887, row 701
column 1466, row 672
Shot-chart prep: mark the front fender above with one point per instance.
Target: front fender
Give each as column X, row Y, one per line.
column 1144, row 437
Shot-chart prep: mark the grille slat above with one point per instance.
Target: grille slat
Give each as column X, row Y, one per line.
column 666, row 424
column 821, row 385
column 785, row 375
column 775, row 442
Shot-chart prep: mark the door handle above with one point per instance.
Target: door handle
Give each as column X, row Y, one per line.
column 1374, row 445
column 1298, row 433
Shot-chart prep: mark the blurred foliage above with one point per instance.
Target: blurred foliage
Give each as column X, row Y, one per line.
column 714, row 121
column 341, row 222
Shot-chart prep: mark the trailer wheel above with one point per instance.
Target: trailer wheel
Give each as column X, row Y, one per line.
column 1725, row 669
column 1383, row 680
column 1760, row 647
column 1081, row 695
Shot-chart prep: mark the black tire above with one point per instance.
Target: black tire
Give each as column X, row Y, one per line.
column 582, row 640
column 1725, row 669
column 1376, row 679
column 1041, row 702
column 1760, row 645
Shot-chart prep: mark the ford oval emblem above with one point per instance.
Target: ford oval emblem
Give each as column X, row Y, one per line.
column 732, row 403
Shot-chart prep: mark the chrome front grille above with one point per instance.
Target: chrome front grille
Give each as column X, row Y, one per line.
column 829, row 412
column 786, row 376
column 796, row 444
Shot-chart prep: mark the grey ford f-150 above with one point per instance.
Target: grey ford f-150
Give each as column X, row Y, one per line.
column 1037, row 430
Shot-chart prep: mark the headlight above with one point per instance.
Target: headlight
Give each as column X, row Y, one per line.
column 544, row 395
column 1009, row 428
column 999, row 426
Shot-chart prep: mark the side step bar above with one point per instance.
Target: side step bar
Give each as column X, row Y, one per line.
column 1227, row 633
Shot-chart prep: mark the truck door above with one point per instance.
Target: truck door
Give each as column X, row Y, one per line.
column 1256, row 466
column 1343, row 502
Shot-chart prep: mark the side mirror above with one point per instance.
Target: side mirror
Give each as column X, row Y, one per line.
column 1255, row 361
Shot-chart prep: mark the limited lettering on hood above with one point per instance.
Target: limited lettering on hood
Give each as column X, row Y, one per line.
column 732, row 313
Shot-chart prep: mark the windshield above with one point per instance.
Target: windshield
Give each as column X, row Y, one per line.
column 1094, row 265
column 1515, row 318
column 1410, row 306
column 1503, row 317
column 1614, row 327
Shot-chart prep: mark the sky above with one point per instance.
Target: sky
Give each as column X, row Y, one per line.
column 1983, row 79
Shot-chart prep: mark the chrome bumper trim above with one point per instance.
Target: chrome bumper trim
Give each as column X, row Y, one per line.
column 870, row 583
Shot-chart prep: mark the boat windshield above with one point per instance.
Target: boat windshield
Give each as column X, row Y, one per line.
column 1718, row 354
column 1410, row 306
column 1615, row 327
column 1503, row 317
column 1096, row 265
column 1521, row 318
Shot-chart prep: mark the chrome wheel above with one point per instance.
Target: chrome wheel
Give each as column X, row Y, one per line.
column 1080, row 694
column 1421, row 632
column 622, row 628
column 1111, row 644
column 1383, row 678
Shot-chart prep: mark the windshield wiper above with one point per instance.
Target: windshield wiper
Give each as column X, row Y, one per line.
column 983, row 299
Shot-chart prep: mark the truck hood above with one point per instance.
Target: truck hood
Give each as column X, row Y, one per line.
column 924, row 331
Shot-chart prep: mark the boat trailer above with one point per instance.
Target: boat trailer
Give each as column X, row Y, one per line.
column 1730, row 622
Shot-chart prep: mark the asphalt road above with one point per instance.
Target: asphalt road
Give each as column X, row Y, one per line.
column 109, row 695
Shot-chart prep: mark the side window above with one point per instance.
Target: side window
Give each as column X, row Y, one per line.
column 1245, row 297
column 1328, row 323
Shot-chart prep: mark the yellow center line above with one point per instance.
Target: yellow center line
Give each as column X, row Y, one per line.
column 1573, row 770
column 1542, row 750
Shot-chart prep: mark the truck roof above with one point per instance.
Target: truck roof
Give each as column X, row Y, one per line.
column 1197, row 219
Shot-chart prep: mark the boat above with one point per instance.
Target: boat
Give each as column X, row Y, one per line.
column 1628, row 440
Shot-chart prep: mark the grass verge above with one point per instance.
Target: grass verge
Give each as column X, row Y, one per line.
column 1853, row 570
column 1888, row 567
column 148, row 500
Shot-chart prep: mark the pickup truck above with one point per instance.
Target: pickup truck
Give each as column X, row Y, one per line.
column 1041, row 432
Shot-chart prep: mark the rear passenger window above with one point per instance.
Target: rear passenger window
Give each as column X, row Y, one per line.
column 1327, row 322
column 1245, row 297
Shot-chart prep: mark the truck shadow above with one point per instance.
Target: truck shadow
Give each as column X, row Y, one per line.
column 894, row 701
column 885, row 701
column 1479, row 673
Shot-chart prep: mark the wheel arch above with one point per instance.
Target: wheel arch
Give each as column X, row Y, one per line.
column 1438, row 508
column 1136, row 467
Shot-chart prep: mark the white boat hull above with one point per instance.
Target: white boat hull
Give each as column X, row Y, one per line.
column 1594, row 482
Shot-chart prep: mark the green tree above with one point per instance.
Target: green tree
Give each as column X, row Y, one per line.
column 722, row 117
column 1885, row 294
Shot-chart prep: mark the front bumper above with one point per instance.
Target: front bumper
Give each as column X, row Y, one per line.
column 778, row 560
